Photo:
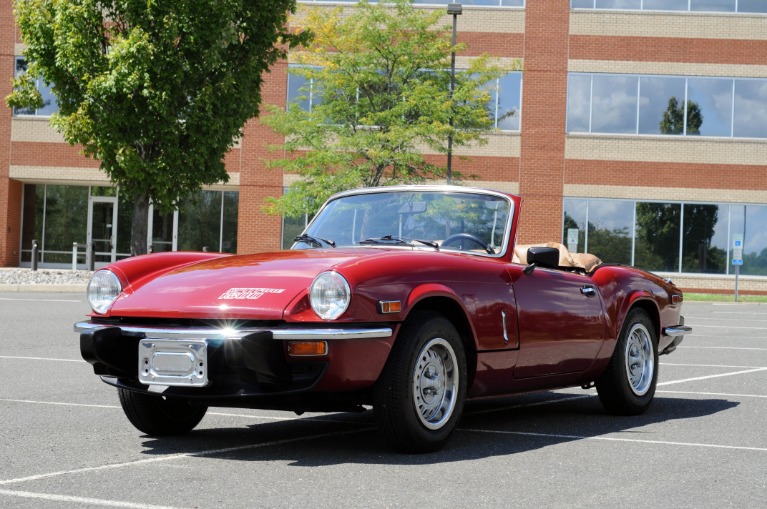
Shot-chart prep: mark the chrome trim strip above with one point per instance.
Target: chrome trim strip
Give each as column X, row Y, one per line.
column 677, row 330
column 309, row 334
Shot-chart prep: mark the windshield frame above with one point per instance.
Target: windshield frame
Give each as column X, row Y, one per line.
column 444, row 189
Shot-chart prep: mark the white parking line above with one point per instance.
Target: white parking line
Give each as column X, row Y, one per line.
column 722, row 348
column 614, row 439
column 724, row 394
column 696, row 326
column 719, row 336
column 208, row 452
column 695, row 379
column 710, row 365
column 80, row 500
column 719, row 319
column 43, row 300
column 39, row 359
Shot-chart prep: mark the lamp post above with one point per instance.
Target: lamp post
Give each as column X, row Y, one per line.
column 455, row 10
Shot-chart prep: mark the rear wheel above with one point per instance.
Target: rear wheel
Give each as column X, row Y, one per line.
column 627, row 387
column 419, row 397
column 158, row 416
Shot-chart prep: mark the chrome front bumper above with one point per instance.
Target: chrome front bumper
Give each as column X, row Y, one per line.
column 223, row 333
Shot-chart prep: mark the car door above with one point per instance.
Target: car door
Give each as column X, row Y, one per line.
column 561, row 321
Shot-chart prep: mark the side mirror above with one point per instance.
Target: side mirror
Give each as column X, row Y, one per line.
column 542, row 256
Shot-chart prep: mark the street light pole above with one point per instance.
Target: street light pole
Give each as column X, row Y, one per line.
column 455, row 10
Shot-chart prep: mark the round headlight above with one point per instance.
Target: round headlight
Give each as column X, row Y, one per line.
column 329, row 295
column 103, row 289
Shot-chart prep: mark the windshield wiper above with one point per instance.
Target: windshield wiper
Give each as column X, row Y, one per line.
column 386, row 239
column 428, row 243
column 314, row 241
column 390, row 239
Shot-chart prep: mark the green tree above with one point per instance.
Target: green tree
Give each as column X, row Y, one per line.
column 156, row 91
column 379, row 80
column 673, row 118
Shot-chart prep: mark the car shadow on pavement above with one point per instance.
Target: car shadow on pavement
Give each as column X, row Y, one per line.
column 497, row 427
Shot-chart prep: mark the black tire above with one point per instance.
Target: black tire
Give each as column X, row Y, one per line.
column 627, row 387
column 419, row 398
column 159, row 416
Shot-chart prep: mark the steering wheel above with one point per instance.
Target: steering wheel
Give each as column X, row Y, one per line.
column 458, row 237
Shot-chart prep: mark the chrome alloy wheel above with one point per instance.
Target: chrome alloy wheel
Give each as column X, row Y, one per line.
column 639, row 359
column 435, row 383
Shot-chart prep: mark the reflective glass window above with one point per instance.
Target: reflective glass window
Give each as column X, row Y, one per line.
column 229, row 223
column 199, row 222
column 661, row 105
column 664, row 5
column 582, row 4
column 578, row 103
column 619, row 4
column 712, row 5
column 291, row 228
column 508, row 100
column 711, row 99
column 752, row 6
column 614, row 104
column 657, row 236
column 50, row 105
column 575, row 217
column 704, row 239
column 755, row 241
column 609, row 230
column 750, row 108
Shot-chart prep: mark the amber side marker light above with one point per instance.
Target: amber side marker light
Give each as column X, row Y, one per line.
column 305, row 348
column 676, row 298
column 389, row 306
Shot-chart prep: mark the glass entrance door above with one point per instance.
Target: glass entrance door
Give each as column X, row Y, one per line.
column 102, row 229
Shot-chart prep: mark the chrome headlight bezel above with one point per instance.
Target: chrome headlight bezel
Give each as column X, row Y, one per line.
column 103, row 289
column 330, row 295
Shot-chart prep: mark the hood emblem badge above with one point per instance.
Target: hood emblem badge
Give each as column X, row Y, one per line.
column 248, row 293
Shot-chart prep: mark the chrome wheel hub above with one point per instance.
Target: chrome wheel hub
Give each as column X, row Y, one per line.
column 639, row 359
column 435, row 383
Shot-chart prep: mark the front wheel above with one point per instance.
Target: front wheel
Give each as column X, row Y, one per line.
column 627, row 387
column 159, row 416
column 418, row 400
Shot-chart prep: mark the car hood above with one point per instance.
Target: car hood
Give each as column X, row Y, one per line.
column 257, row 286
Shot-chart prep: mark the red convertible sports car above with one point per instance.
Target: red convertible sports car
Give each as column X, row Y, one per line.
column 409, row 299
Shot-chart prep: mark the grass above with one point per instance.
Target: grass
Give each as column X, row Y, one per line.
column 716, row 297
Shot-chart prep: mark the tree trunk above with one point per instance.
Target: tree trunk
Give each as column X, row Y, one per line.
column 139, row 225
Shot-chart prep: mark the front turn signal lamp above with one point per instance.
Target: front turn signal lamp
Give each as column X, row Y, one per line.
column 103, row 289
column 307, row 348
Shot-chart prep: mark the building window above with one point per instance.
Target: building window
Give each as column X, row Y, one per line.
column 667, row 105
column 50, row 106
column 491, row 3
column 504, row 107
column 668, row 236
column 744, row 6
column 57, row 216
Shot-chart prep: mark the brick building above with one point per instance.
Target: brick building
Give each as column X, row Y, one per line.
column 641, row 136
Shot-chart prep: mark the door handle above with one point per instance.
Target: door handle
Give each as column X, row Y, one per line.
column 589, row 291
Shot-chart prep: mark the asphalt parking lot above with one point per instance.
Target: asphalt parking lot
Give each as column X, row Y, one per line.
column 703, row 443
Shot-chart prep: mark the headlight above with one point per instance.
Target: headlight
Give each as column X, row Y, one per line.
column 329, row 295
column 103, row 289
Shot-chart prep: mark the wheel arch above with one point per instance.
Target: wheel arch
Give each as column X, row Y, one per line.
column 649, row 306
column 452, row 311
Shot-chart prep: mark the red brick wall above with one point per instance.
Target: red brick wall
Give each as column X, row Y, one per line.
column 544, row 102
column 256, row 230
column 668, row 49
column 8, row 227
column 673, row 175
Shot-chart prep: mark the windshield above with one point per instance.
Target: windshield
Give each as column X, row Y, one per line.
column 442, row 219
